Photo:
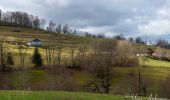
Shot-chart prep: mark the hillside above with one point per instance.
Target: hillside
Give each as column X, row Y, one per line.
column 28, row 34
column 152, row 72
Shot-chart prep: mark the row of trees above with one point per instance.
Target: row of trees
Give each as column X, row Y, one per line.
column 21, row 19
column 117, row 37
column 131, row 39
column 65, row 29
column 159, row 43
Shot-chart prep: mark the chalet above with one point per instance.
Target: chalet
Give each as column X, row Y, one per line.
column 141, row 55
column 159, row 55
column 35, row 42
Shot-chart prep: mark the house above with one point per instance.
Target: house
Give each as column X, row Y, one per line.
column 141, row 55
column 35, row 42
column 159, row 55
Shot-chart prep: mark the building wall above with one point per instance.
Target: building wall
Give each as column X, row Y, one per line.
column 35, row 43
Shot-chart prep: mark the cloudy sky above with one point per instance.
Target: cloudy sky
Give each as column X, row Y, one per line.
column 147, row 18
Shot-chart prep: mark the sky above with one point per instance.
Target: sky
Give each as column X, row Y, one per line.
column 146, row 18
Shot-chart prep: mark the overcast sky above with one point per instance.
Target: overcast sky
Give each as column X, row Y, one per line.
column 130, row 17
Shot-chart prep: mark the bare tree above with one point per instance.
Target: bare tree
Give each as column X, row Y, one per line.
column 0, row 14
column 81, row 56
column 66, row 29
column 59, row 57
column 59, row 50
column 59, row 29
column 22, row 54
column 3, row 54
column 73, row 55
column 42, row 23
column 22, row 50
column 21, row 73
column 50, row 54
column 36, row 23
column 51, row 26
column 102, row 65
column 125, row 55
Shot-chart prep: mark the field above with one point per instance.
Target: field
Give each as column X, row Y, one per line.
column 27, row 34
column 23, row 95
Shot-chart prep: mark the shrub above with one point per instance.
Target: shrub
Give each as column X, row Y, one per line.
column 125, row 55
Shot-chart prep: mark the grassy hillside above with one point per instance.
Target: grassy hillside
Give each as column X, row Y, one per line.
column 153, row 71
column 157, row 63
column 27, row 34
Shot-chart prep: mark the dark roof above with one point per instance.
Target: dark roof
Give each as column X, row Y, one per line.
column 36, row 40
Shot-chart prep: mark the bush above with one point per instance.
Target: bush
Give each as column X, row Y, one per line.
column 125, row 55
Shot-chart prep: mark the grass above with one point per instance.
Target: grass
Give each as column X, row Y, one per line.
column 28, row 34
column 157, row 63
column 23, row 95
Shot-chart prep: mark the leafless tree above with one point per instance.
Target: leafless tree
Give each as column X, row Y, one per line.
column 3, row 54
column 102, row 65
column 36, row 23
column 51, row 26
column 125, row 55
column 0, row 14
column 66, row 29
column 59, row 50
column 81, row 56
column 42, row 23
column 22, row 54
column 50, row 54
column 73, row 55
column 59, row 29
column 21, row 72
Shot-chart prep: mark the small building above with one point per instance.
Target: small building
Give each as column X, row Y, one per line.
column 141, row 55
column 35, row 42
column 159, row 55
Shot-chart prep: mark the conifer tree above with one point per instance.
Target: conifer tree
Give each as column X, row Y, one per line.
column 9, row 59
column 36, row 58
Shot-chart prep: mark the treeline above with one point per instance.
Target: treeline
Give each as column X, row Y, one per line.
column 163, row 43
column 21, row 19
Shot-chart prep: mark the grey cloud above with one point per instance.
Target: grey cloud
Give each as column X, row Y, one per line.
column 130, row 17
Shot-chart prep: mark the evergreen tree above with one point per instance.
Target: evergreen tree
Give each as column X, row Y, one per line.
column 36, row 58
column 9, row 59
